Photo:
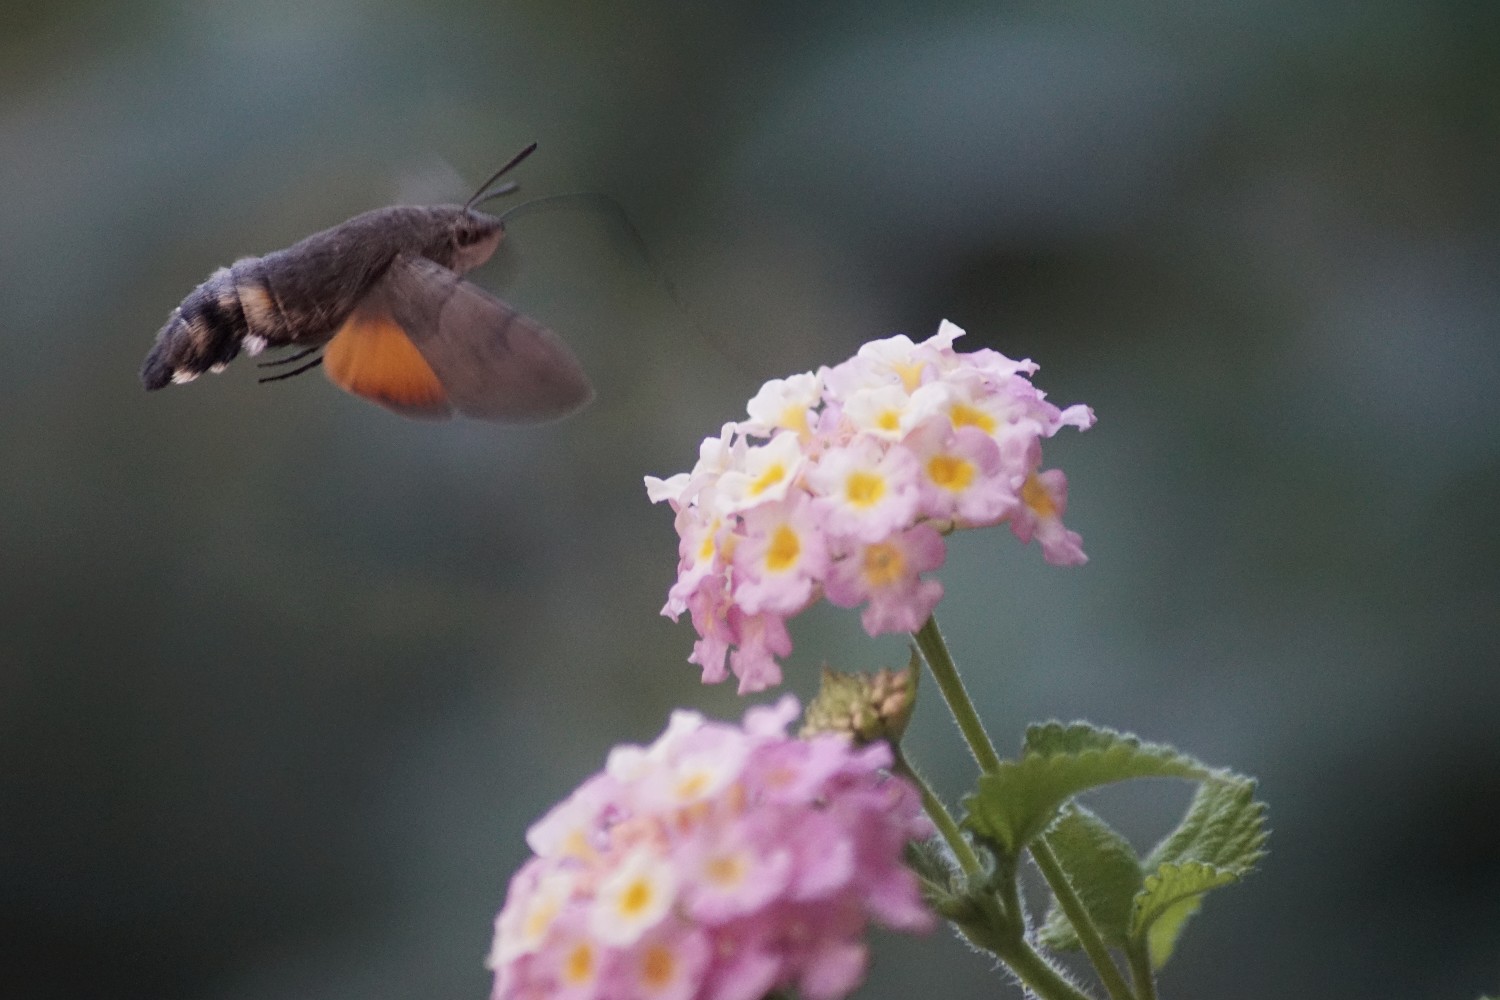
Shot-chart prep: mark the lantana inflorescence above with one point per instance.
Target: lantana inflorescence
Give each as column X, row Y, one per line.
column 843, row 483
column 719, row 863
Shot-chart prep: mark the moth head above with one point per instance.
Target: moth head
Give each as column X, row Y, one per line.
column 472, row 238
column 473, row 235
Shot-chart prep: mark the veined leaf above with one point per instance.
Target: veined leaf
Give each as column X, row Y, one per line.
column 1016, row 803
column 1217, row 843
column 1224, row 826
column 1169, row 897
column 1103, row 870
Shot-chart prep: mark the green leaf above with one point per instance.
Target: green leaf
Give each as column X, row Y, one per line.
column 1224, row 826
column 1217, row 843
column 1171, row 895
column 1103, row 870
column 1016, row 802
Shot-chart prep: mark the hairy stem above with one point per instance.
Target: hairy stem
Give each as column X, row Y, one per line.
column 1038, row 975
column 941, row 818
column 1078, row 916
column 935, row 652
column 1140, row 972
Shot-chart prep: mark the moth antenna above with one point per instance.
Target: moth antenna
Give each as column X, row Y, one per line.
column 497, row 175
column 507, row 188
column 315, row 362
column 288, row 359
column 656, row 269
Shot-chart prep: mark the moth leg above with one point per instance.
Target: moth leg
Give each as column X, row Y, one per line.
column 315, row 362
column 289, row 358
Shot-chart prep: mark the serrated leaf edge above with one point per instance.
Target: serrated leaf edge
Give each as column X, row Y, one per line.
column 1139, row 925
column 1253, row 848
column 1169, row 763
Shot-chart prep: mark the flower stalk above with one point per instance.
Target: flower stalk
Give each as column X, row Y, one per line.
column 1078, row 915
column 945, row 673
column 947, row 826
column 1141, row 974
column 1013, row 949
column 1037, row 973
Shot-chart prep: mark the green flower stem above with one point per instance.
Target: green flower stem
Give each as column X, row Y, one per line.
column 1010, row 897
column 1004, row 936
column 1009, row 946
column 935, row 652
column 1039, row 976
column 941, row 817
column 1078, row 916
column 1140, row 972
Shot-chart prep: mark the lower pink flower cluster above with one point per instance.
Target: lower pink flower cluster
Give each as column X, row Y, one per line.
column 718, row 863
column 843, row 482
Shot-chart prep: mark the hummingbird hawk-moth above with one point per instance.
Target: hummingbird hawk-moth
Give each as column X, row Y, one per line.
column 384, row 298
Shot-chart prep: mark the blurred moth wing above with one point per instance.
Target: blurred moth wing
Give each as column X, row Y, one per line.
column 426, row 344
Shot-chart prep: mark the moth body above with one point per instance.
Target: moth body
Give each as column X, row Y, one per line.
column 383, row 296
column 302, row 295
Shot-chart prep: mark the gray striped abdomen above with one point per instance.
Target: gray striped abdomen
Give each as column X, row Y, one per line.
column 235, row 309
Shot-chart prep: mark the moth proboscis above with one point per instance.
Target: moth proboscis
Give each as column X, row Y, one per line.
column 384, row 298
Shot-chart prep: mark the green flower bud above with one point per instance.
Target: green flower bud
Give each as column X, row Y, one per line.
column 867, row 707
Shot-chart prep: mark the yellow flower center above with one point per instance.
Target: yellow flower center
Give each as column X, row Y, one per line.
column 710, row 545
column 773, row 474
column 693, row 785
column 951, row 472
column 576, row 845
column 864, row 489
column 636, row 898
column 889, row 420
column 1035, row 496
column 964, row 415
column 726, row 870
column 540, row 918
column 657, row 966
column 794, row 418
column 883, row 564
column 910, row 373
column 783, row 551
column 578, row 968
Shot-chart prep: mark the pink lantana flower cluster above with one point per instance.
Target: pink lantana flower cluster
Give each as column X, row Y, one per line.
column 843, row 483
column 718, row 863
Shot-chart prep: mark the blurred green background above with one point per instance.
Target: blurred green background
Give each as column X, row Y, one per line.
column 284, row 678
